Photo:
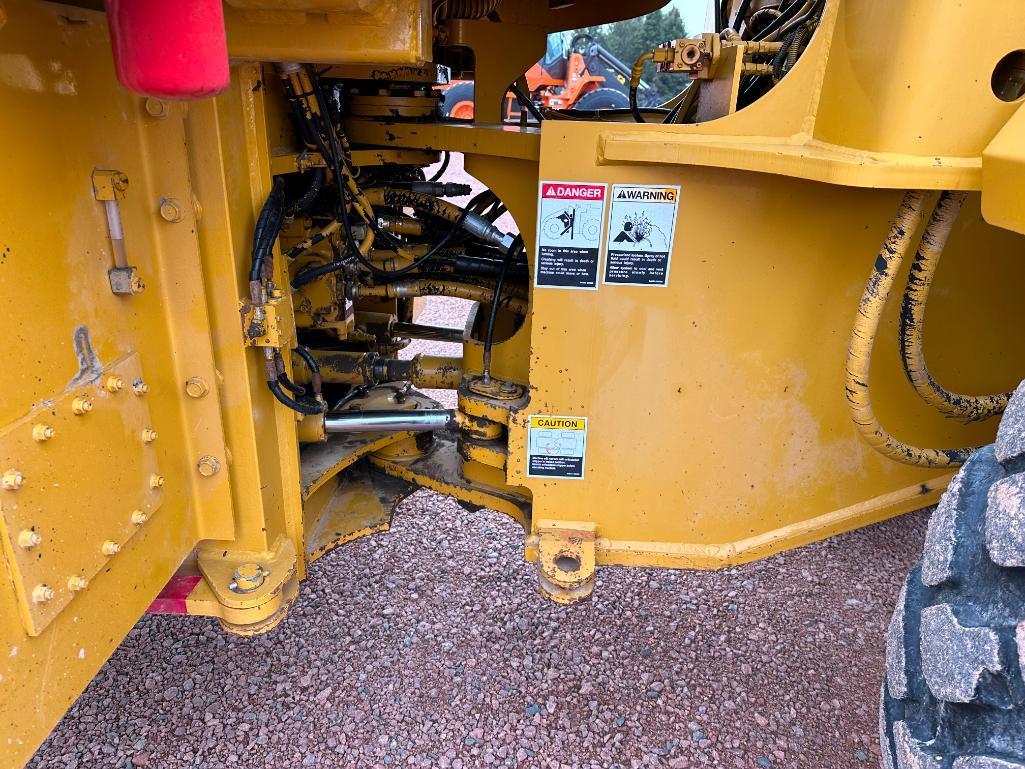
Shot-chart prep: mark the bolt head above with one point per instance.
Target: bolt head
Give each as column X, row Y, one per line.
column 171, row 210
column 139, row 387
column 196, row 387
column 12, row 480
column 248, row 577
column 110, row 547
column 139, row 517
column 28, row 539
column 148, row 435
column 42, row 594
column 208, row 466
column 113, row 384
column 77, row 583
column 81, row 405
column 156, row 481
column 157, row 108
column 42, row 433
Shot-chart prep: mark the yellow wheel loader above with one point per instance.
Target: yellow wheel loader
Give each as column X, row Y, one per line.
column 704, row 341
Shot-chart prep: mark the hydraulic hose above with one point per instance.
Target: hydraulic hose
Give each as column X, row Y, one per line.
column 971, row 408
column 266, row 231
column 635, row 82
column 404, row 289
column 866, row 326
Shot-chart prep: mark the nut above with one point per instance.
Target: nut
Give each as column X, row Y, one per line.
column 157, row 108
column 148, row 435
column 42, row 594
column 110, row 547
column 156, row 481
column 12, row 480
column 113, row 384
column 208, row 465
column 77, row 583
column 171, row 210
column 81, row 405
column 139, row 387
column 42, row 432
column 139, row 517
column 248, row 577
column 28, row 538
column 196, row 387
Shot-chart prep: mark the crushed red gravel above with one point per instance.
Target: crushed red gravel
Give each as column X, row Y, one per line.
column 430, row 646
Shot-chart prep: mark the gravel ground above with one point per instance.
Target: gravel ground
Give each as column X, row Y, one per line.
column 430, row 646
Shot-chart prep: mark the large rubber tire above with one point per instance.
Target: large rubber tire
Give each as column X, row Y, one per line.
column 603, row 98
column 954, row 695
column 457, row 102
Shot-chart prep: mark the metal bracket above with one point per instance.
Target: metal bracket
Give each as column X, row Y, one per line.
column 109, row 187
column 565, row 559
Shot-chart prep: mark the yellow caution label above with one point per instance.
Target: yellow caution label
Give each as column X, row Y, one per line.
column 559, row 423
column 556, row 446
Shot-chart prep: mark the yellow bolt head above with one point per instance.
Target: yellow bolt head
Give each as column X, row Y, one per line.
column 148, row 435
column 28, row 539
column 81, row 405
column 77, row 583
column 139, row 387
column 208, row 466
column 12, row 480
column 113, row 384
column 42, row 594
column 42, row 433
column 248, row 576
column 196, row 387
column 171, row 210
column 157, row 108
column 110, row 547
column 139, row 517
column 156, row 481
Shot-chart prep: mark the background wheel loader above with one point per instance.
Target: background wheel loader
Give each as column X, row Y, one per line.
column 217, row 222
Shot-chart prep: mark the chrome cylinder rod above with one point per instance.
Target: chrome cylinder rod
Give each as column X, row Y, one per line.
column 389, row 420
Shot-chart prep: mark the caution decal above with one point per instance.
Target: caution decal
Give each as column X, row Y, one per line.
column 556, row 446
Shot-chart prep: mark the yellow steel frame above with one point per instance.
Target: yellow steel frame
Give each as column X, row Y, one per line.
column 717, row 429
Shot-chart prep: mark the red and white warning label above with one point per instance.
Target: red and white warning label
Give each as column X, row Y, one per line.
column 570, row 216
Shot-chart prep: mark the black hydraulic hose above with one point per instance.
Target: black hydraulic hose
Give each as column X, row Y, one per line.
column 292, row 387
column 526, row 103
column 303, row 405
column 314, row 182
column 444, row 167
column 489, row 336
column 266, row 230
column 304, row 352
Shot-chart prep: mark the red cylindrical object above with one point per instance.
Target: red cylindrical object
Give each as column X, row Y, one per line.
column 173, row 49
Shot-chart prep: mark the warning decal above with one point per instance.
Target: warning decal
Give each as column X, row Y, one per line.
column 569, row 222
column 555, row 447
column 640, row 235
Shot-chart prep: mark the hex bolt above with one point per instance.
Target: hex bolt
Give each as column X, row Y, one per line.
column 139, row 517
column 28, row 539
column 81, row 405
column 77, row 583
column 196, row 387
column 156, row 481
column 148, row 435
column 42, row 594
column 208, row 466
column 171, row 210
column 139, row 387
column 157, row 108
column 113, row 384
column 12, row 480
column 110, row 547
column 248, row 577
column 42, row 432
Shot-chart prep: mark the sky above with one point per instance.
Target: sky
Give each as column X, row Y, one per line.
column 693, row 12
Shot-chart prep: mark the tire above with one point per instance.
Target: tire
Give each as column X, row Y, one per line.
column 458, row 102
column 954, row 694
column 603, row 98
